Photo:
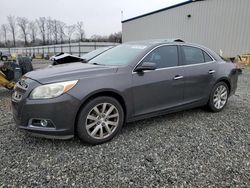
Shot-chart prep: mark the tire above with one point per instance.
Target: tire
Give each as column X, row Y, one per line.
column 100, row 120
column 218, row 97
column 4, row 58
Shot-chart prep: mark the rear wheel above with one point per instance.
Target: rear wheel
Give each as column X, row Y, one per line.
column 100, row 120
column 218, row 97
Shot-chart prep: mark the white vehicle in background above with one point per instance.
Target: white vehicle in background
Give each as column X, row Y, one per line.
column 63, row 58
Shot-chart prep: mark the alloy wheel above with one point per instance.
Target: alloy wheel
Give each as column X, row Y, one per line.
column 220, row 97
column 102, row 120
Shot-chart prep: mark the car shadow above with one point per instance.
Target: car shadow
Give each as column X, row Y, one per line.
column 153, row 121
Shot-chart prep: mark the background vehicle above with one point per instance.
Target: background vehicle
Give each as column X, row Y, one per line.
column 4, row 56
column 131, row 81
column 12, row 71
column 53, row 57
column 63, row 58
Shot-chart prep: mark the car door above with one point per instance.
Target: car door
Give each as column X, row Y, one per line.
column 199, row 73
column 161, row 88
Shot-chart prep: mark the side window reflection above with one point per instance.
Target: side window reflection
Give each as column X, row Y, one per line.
column 164, row 56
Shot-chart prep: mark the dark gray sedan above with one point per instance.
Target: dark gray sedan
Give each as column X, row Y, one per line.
column 132, row 81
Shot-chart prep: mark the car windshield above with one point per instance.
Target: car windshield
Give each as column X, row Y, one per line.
column 95, row 53
column 120, row 55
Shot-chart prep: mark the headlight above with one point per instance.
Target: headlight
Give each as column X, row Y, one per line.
column 52, row 90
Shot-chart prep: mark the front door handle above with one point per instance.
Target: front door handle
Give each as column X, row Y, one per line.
column 211, row 71
column 178, row 77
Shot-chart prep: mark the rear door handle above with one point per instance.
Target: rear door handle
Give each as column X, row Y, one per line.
column 178, row 77
column 211, row 71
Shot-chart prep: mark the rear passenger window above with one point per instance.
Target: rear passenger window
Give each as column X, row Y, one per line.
column 192, row 55
column 207, row 57
column 164, row 56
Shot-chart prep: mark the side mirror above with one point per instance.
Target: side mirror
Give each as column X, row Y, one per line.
column 145, row 66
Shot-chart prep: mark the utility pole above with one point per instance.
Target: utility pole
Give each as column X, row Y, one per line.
column 121, row 15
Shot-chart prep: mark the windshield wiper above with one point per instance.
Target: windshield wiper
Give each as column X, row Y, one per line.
column 97, row 64
column 84, row 61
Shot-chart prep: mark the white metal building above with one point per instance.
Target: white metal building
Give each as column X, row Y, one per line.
column 222, row 25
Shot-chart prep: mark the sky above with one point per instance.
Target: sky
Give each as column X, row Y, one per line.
column 100, row 17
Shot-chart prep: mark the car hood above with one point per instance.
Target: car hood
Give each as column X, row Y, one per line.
column 72, row 71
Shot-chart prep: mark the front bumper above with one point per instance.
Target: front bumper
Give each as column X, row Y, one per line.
column 60, row 112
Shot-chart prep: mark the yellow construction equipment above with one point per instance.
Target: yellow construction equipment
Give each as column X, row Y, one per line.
column 6, row 83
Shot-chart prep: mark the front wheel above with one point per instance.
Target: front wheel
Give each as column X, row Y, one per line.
column 218, row 97
column 100, row 120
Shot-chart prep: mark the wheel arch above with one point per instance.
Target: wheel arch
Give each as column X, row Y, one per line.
column 225, row 80
column 109, row 93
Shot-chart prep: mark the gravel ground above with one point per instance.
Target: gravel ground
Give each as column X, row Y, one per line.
column 193, row 148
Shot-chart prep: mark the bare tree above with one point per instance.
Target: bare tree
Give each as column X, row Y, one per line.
column 41, row 22
column 23, row 24
column 98, row 38
column 62, row 26
column 32, row 31
column 55, row 31
column 80, row 30
column 115, row 37
column 12, row 27
column 70, row 30
column 4, row 30
column 49, row 27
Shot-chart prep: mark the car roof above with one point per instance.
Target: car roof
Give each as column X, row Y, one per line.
column 156, row 41
column 164, row 41
column 174, row 41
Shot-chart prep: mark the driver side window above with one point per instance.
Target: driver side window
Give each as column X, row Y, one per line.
column 164, row 56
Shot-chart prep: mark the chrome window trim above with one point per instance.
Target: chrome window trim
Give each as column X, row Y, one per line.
column 180, row 66
column 133, row 71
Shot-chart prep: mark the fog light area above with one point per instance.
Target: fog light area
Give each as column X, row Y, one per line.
column 41, row 123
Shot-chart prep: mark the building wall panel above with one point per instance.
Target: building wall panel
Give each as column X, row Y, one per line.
column 218, row 24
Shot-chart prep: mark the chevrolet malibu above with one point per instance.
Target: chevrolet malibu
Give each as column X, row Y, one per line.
column 132, row 81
